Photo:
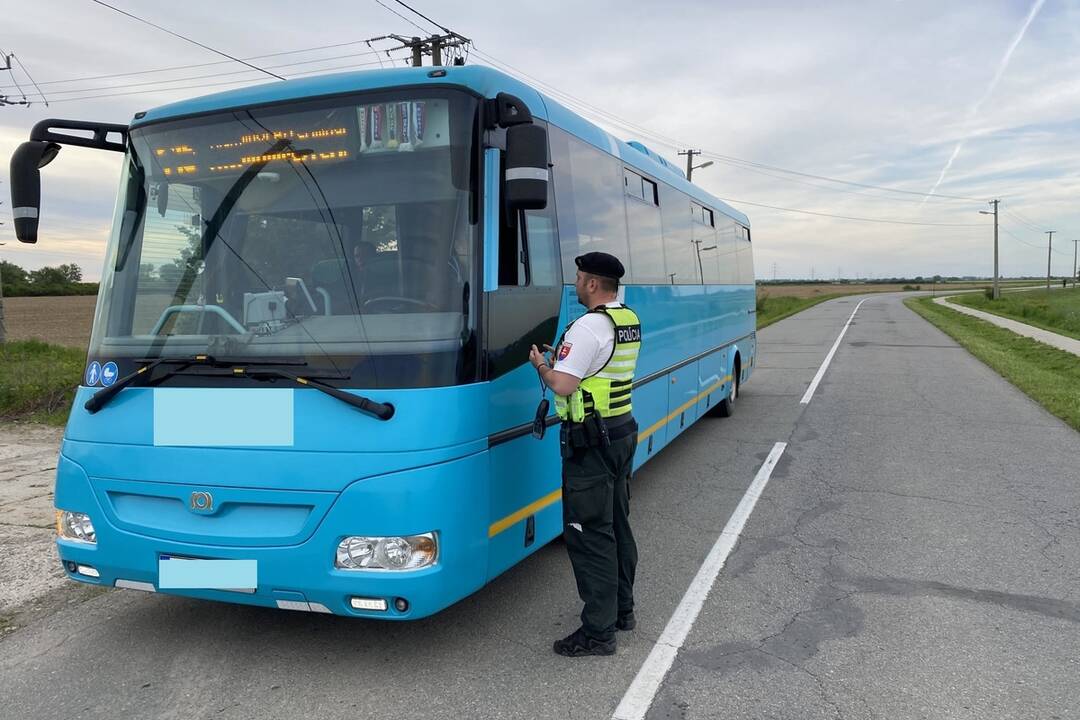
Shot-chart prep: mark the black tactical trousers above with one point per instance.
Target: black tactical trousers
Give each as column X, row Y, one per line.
column 596, row 509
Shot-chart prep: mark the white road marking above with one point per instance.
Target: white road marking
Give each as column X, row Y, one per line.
column 828, row 358
column 639, row 696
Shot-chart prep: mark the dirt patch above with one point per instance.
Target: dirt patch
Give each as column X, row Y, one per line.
column 57, row 320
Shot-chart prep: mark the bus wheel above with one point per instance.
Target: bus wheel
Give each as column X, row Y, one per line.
column 726, row 407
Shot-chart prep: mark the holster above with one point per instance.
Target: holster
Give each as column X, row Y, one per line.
column 593, row 432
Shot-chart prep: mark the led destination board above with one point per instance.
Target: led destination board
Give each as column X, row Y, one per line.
column 230, row 147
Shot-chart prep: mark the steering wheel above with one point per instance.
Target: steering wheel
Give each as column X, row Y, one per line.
column 398, row 300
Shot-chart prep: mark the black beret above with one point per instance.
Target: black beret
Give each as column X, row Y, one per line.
column 602, row 264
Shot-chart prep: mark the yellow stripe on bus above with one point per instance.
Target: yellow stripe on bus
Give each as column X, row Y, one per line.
column 681, row 409
column 555, row 495
column 531, row 509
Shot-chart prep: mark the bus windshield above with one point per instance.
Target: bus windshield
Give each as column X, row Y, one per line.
column 336, row 232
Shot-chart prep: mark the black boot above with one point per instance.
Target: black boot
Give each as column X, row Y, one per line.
column 626, row 621
column 578, row 644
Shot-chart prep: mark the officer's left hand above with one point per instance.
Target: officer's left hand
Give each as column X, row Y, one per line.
column 536, row 357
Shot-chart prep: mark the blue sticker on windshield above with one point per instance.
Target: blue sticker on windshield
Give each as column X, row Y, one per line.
column 108, row 373
column 93, row 373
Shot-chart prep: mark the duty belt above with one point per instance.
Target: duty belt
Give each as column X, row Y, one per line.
column 594, row 431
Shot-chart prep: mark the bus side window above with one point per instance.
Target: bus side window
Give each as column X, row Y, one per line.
column 542, row 243
column 528, row 247
column 513, row 267
column 590, row 187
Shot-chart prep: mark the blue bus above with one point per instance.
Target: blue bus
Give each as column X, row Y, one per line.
column 307, row 385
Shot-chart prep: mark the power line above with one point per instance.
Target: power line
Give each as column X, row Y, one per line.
column 1022, row 221
column 199, row 65
column 676, row 144
column 850, row 217
column 390, row 9
column 417, row 12
column 209, row 75
column 1022, row 242
column 1022, row 218
column 753, row 165
column 1037, row 247
column 7, row 66
column 27, row 73
column 182, row 37
column 218, row 84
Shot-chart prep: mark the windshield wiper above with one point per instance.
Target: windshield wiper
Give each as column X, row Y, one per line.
column 102, row 397
column 383, row 411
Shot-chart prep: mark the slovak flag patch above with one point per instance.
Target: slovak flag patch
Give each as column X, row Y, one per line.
column 564, row 350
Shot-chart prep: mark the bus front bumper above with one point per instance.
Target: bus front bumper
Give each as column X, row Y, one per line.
column 437, row 498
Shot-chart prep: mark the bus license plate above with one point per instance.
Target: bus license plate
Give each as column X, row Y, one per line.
column 182, row 573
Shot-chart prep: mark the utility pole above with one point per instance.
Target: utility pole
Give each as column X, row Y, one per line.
column 690, row 166
column 997, row 291
column 774, row 272
column 1049, row 249
column 1073, row 277
column 3, row 331
column 417, row 53
column 433, row 45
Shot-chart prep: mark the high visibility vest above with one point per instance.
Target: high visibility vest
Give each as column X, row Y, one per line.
column 607, row 392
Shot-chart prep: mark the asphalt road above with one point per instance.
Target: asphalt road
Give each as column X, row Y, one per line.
column 913, row 556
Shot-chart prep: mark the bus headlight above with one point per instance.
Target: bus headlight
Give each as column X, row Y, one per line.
column 405, row 552
column 75, row 526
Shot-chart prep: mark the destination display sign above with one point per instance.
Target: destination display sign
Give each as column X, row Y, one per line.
column 322, row 137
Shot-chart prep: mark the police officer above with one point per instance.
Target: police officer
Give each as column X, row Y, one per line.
column 591, row 377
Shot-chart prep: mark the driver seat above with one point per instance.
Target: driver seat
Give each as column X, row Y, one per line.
column 330, row 279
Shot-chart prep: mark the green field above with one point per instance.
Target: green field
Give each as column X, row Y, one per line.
column 772, row 308
column 1056, row 310
column 1049, row 376
column 38, row 381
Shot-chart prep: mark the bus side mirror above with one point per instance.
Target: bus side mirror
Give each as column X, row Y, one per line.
column 25, row 180
column 527, row 171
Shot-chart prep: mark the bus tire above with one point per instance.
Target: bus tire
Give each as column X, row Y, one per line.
column 726, row 407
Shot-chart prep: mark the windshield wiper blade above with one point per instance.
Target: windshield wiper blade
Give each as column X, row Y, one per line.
column 102, row 397
column 383, row 411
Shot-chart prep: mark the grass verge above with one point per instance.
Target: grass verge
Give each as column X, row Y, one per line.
column 774, row 308
column 1048, row 375
column 1057, row 311
column 38, row 381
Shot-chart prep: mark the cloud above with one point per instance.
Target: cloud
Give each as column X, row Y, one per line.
column 872, row 92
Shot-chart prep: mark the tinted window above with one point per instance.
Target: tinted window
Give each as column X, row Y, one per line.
column 745, row 258
column 727, row 242
column 633, row 184
column 705, row 247
column 680, row 259
column 589, row 199
column 646, row 242
column 543, row 243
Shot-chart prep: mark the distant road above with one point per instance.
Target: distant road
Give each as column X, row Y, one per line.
column 913, row 555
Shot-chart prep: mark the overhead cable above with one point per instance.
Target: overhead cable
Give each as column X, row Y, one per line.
column 218, row 84
column 417, row 12
column 189, row 78
column 199, row 65
column 676, row 143
column 185, row 38
column 889, row 221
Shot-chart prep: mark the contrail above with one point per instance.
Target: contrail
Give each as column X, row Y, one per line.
column 974, row 110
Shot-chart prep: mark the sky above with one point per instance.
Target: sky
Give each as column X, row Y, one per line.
column 976, row 100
